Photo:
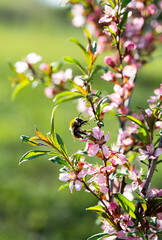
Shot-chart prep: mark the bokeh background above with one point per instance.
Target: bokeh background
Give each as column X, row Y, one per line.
column 31, row 207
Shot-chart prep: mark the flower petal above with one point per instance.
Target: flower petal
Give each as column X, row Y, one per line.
column 78, row 185
column 158, row 152
column 93, row 150
column 106, row 151
column 97, row 133
column 71, row 185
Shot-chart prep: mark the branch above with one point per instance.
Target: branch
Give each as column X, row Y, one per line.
column 151, row 171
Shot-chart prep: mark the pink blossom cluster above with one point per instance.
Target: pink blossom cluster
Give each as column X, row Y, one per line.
column 94, row 178
column 54, row 80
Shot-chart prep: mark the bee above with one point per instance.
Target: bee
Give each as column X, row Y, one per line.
column 75, row 127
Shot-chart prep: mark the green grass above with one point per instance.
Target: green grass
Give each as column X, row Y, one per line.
column 30, row 206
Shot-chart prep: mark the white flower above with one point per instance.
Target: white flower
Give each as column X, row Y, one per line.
column 21, row 67
column 33, row 58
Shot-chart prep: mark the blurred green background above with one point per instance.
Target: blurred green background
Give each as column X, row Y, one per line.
column 31, row 207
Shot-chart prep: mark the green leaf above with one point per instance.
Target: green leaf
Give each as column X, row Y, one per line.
column 124, row 19
column 61, row 145
column 56, row 66
column 85, row 53
column 26, row 139
column 143, row 134
column 98, row 236
column 74, row 61
column 152, row 221
column 153, row 205
column 96, row 69
column 102, row 100
column 52, row 133
column 67, row 96
column 32, row 154
column 63, row 186
column 158, row 108
column 87, row 33
column 19, row 87
column 96, row 208
column 125, row 3
column 136, row 136
column 112, row 32
column 127, row 205
column 138, row 122
column 59, row 160
column 111, row 3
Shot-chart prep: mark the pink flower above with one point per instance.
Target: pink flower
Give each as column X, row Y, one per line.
column 113, row 27
column 152, row 99
column 123, row 110
column 118, row 89
column 118, row 159
column 75, row 180
column 61, row 76
column 151, row 8
column 109, row 76
column 101, row 44
column 21, row 67
column 107, row 108
column 100, row 141
column 129, row 46
column 45, row 68
column 116, row 99
column 49, row 92
column 149, row 152
column 130, row 70
column 158, row 93
column 108, row 60
column 128, row 141
column 109, row 14
column 138, row 23
column 112, row 206
column 153, row 192
column 78, row 13
column 129, row 85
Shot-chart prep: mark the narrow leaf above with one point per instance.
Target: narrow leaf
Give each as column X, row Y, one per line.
column 97, row 208
column 32, row 154
column 124, row 19
column 87, row 33
column 127, row 205
column 143, row 134
column 63, row 186
column 135, row 120
column 61, row 144
column 52, row 134
column 96, row 69
column 19, row 87
column 111, row 3
column 59, row 160
column 57, row 65
column 28, row 140
column 74, row 61
column 125, row 3
column 85, row 53
column 67, row 96
column 98, row 236
column 40, row 135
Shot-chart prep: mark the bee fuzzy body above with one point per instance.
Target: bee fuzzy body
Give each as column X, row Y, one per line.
column 75, row 127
